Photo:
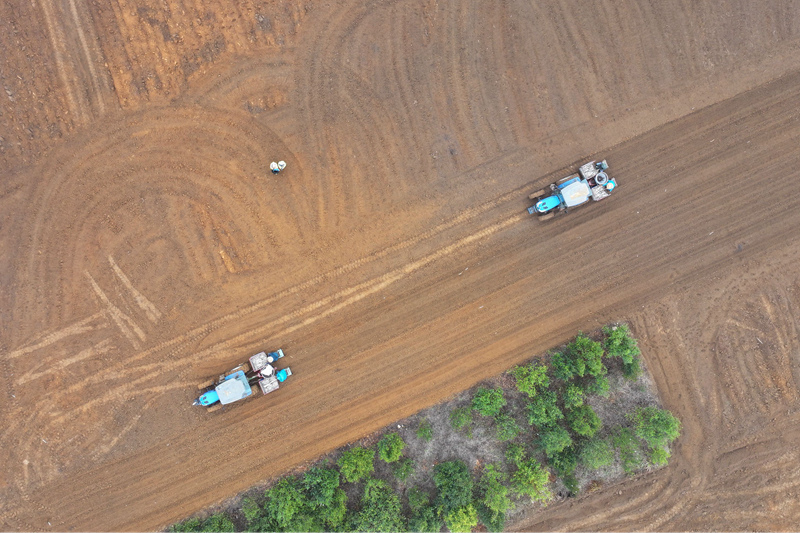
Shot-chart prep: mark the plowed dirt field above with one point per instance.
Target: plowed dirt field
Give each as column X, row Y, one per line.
column 146, row 246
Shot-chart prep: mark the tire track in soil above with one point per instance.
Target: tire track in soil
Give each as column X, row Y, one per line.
column 77, row 105
column 177, row 345
column 99, row 82
column 78, row 60
column 335, row 416
column 699, row 256
column 151, row 371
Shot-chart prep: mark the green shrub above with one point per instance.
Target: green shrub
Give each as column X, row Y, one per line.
column 543, row 410
column 320, row 486
column 284, row 501
column 425, row 430
column 403, row 468
column 620, row 343
column 460, row 417
column 657, row 427
column 586, row 356
column 553, row 439
column 495, row 523
column 581, row 357
column 418, row 499
column 219, row 522
column 493, row 494
column 584, row 421
column 380, row 509
column 507, row 427
column 630, row 453
column 252, row 511
column 423, row 515
column 390, row 447
column 599, row 385
column 564, row 462
column 573, row 396
column 562, row 366
column 659, row 456
column 572, row 485
column 454, row 484
column 531, row 479
column 596, row 453
column 515, row 453
column 306, row 522
column 631, row 370
column 334, row 515
column 488, row 402
column 531, row 378
column 356, row 464
column 425, row 520
column 462, row 519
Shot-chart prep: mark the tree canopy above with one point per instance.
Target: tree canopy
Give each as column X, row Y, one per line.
column 553, row 439
column 584, row 421
column 356, row 464
column 543, row 410
column 380, row 508
column 657, row 427
column 320, row 486
column 390, row 447
column 493, row 493
column 488, row 402
column 531, row 479
column 531, row 378
column 507, row 427
column 462, row 519
column 454, row 484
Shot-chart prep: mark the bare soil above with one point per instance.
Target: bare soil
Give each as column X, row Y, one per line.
column 147, row 246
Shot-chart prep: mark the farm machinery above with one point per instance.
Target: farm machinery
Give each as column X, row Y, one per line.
column 238, row 383
column 591, row 182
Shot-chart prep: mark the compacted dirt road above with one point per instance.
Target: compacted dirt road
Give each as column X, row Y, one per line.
column 147, row 246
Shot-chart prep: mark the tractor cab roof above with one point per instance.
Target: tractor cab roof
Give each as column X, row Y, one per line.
column 576, row 193
column 235, row 387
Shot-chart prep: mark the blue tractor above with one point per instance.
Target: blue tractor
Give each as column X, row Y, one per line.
column 591, row 182
column 238, row 383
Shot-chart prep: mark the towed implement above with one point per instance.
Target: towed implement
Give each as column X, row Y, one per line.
column 238, row 383
column 591, row 182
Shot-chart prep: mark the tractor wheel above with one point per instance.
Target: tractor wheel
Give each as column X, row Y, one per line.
column 548, row 216
column 205, row 384
column 537, row 194
column 215, row 407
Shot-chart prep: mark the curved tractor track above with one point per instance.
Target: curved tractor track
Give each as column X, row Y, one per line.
column 393, row 259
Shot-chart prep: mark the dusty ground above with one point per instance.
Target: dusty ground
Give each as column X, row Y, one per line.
column 146, row 246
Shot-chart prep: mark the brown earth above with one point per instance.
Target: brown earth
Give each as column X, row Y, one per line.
column 147, row 246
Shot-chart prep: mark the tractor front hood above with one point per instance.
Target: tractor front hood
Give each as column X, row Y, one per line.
column 548, row 204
